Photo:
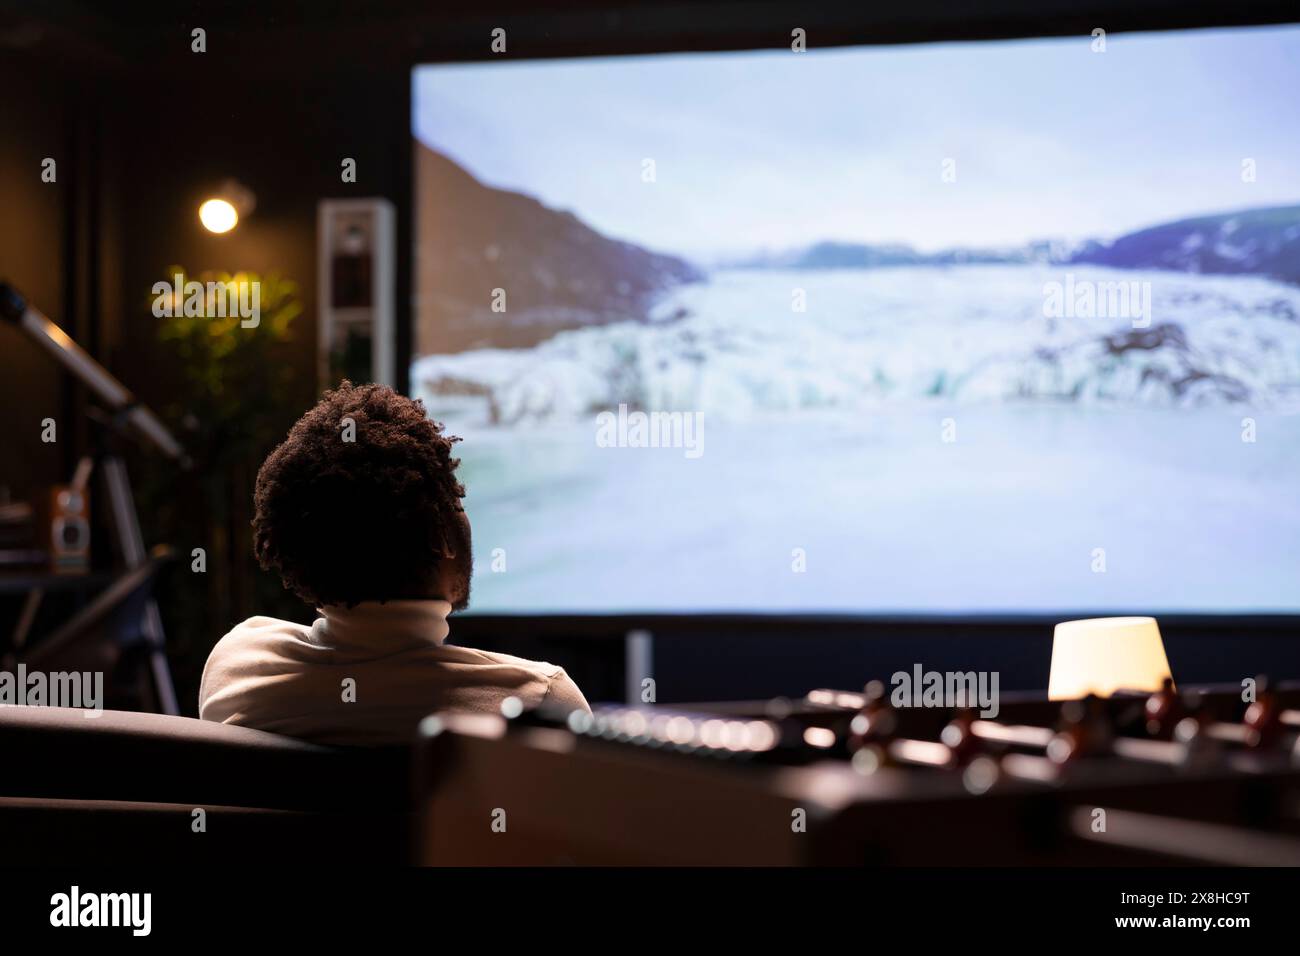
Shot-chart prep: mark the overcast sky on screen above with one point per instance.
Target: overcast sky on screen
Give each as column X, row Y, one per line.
column 773, row 150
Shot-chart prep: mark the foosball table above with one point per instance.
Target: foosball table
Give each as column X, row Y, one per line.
column 1189, row 776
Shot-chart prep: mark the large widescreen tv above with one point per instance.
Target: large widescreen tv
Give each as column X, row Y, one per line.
column 954, row 328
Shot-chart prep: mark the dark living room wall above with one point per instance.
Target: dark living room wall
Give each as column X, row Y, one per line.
column 173, row 132
column 32, row 258
column 140, row 137
column 282, row 135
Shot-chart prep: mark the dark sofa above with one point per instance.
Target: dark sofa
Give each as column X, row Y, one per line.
column 122, row 788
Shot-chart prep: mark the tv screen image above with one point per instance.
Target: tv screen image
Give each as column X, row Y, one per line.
column 955, row 328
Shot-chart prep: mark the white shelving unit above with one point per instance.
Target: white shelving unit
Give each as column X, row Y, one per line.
column 355, row 279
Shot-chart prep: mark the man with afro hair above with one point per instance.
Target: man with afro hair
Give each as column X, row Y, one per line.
column 359, row 511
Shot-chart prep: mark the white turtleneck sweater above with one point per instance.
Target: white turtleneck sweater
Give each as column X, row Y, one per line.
column 365, row 675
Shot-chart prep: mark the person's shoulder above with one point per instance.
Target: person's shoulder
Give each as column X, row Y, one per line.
column 255, row 639
column 260, row 629
column 564, row 693
column 543, row 669
column 560, row 687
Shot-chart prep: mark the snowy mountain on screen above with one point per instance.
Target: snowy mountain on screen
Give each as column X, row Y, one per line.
column 1262, row 242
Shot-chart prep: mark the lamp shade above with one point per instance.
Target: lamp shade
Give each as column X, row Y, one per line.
column 1105, row 654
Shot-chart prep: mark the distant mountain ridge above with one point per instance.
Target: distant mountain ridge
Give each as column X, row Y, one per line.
column 554, row 271
column 852, row 255
column 1255, row 242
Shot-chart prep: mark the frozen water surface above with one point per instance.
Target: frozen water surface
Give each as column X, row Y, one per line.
column 824, row 431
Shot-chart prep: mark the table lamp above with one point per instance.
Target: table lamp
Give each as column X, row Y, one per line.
column 1105, row 654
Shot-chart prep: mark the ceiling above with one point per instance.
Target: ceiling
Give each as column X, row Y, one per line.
column 377, row 34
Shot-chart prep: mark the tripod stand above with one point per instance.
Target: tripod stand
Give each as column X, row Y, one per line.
column 130, row 543
column 127, row 415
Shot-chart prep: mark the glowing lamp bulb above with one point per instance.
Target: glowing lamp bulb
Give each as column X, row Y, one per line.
column 218, row 215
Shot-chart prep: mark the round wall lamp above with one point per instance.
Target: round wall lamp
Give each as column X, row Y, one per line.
column 222, row 211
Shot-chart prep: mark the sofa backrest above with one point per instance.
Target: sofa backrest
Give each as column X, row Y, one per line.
column 53, row 752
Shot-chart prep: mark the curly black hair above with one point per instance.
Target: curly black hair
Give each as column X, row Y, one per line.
column 361, row 502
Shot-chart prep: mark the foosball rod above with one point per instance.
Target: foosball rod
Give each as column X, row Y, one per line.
column 1040, row 738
